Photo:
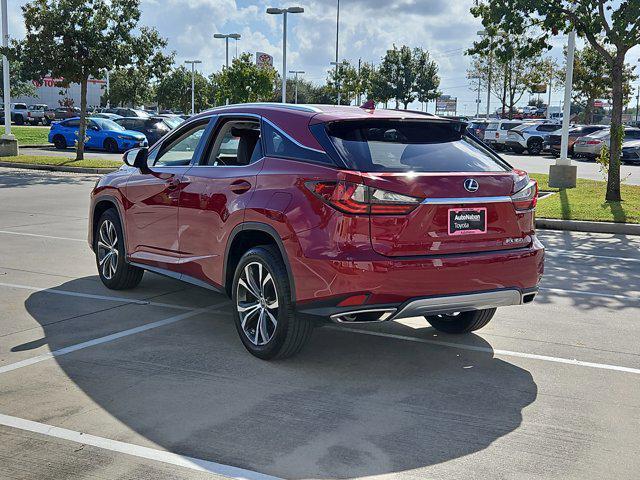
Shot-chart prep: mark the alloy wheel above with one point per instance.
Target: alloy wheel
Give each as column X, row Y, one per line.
column 108, row 249
column 257, row 303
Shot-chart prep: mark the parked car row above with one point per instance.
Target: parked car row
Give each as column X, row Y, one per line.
column 113, row 133
column 535, row 136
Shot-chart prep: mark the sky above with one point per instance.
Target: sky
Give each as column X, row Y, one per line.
column 367, row 29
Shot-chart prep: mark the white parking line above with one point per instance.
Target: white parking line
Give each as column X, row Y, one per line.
column 106, row 338
column 575, row 254
column 495, row 351
column 7, row 232
column 594, row 294
column 133, row 301
column 134, row 450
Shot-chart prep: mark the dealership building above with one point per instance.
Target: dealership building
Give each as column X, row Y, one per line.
column 51, row 93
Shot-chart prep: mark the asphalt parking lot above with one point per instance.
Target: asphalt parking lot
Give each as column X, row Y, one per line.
column 153, row 383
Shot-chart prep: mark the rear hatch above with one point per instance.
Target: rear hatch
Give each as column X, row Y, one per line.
column 458, row 195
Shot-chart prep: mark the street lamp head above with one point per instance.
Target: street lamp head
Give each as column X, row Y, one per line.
column 275, row 11
column 219, row 35
column 235, row 36
column 295, row 10
column 193, row 61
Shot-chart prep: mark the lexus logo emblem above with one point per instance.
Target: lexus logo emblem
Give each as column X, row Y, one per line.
column 471, row 185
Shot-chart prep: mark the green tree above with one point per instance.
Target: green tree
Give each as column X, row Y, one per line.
column 79, row 39
column 380, row 89
column 344, row 79
column 19, row 82
column 243, row 81
column 174, row 90
column 611, row 27
column 133, row 84
column 592, row 80
column 514, row 69
column 427, row 80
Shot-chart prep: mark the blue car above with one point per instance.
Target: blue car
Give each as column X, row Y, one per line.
column 102, row 134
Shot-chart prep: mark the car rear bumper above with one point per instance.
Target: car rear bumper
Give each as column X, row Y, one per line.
column 437, row 305
column 410, row 286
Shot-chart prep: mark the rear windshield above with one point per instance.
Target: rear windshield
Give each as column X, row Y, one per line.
column 404, row 146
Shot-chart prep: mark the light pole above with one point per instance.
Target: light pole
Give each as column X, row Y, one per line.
column 337, row 39
column 284, row 12
column 5, row 75
column 337, row 64
column 296, row 72
column 478, row 99
column 563, row 174
column 638, row 100
column 193, row 76
column 483, row 33
column 108, row 90
column 227, row 36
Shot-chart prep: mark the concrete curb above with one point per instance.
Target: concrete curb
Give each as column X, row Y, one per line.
column 584, row 226
column 56, row 168
column 41, row 145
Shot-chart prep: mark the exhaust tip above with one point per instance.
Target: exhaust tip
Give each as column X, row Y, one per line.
column 528, row 298
column 367, row 316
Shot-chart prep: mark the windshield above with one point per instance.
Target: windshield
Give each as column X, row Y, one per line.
column 106, row 124
column 405, row 146
column 173, row 122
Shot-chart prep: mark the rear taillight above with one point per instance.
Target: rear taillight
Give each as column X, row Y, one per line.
column 593, row 142
column 356, row 198
column 497, row 135
column 526, row 198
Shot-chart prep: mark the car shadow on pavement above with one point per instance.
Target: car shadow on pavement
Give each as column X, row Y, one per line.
column 349, row 405
column 26, row 178
column 600, row 265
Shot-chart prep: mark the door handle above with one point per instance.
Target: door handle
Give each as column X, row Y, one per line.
column 240, row 186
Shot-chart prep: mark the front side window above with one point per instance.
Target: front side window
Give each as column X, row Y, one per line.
column 179, row 151
column 410, row 146
column 237, row 143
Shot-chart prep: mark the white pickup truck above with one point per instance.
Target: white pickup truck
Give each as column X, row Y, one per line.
column 33, row 114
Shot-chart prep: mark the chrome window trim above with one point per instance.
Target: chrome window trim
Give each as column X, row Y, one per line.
column 465, row 200
column 290, row 138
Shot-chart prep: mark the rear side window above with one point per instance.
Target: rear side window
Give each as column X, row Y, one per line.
column 492, row 126
column 509, row 126
column 405, row 146
column 278, row 144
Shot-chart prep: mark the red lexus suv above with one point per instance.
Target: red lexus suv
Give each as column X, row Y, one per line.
column 302, row 213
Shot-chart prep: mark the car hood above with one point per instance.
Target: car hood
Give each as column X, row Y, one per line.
column 631, row 144
column 132, row 134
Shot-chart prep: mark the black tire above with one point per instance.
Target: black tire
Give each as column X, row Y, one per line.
column 46, row 121
column 291, row 332
column 59, row 142
column 110, row 145
column 517, row 150
column 498, row 147
column 462, row 322
column 535, row 146
column 125, row 276
column 19, row 120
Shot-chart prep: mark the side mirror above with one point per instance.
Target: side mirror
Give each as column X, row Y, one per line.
column 137, row 157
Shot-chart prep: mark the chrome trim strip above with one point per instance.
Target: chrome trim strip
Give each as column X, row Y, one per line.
column 459, row 303
column 336, row 317
column 290, row 138
column 465, row 200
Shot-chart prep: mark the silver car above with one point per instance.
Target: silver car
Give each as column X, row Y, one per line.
column 590, row 146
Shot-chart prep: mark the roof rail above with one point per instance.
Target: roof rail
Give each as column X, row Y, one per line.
column 289, row 106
